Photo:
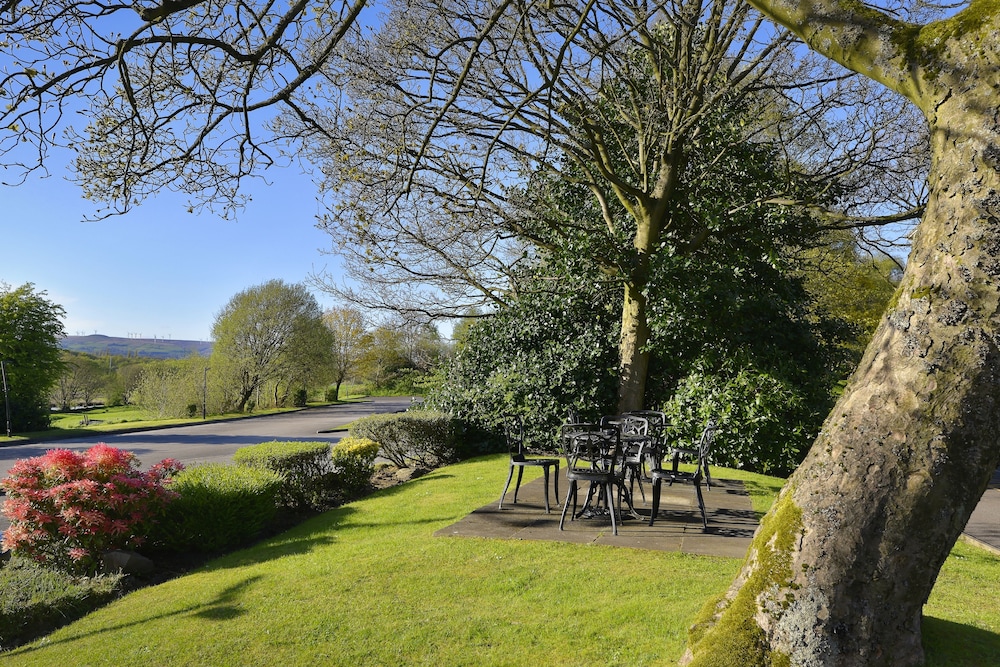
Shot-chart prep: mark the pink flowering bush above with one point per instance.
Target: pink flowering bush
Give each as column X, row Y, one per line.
column 67, row 508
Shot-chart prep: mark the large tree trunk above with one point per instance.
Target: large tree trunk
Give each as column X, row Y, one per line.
column 632, row 354
column 841, row 567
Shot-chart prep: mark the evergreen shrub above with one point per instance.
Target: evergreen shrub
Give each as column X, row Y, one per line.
column 354, row 464
column 417, row 438
column 219, row 507
column 304, row 467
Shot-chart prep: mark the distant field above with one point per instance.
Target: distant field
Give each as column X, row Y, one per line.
column 156, row 348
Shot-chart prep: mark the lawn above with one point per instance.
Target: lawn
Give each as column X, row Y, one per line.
column 368, row 584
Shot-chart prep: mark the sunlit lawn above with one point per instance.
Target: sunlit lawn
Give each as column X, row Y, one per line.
column 368, row 584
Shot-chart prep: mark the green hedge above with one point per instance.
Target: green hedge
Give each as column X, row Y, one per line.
column 34, row 600
column 353, row 464
column 417, row 438
column 219, row 507
column 304, row 467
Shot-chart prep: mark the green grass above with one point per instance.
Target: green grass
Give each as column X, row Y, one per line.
column 368, row 584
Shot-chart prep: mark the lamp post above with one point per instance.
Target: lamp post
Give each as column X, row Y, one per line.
column 6, row 397
column 204, row 394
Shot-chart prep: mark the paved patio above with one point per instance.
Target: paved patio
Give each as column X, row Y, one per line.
column 731, row 520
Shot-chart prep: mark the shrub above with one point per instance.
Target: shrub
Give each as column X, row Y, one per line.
column 765, row 423
column 35, row 599
column 304, row 467
column 300, row 398
column 417, row 438
column 331, row 395
column 68, row 508
column 354, row 464
column 218, row 507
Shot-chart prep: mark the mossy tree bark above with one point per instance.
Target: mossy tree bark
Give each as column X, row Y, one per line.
column 841, row 567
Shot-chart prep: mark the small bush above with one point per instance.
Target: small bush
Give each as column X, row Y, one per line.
column 354, row 464
column 68, row 508
column 218, row 507
column 35, row 599
column 331, row 395
column 300, row 398
column 304, row 467
column 418, row 438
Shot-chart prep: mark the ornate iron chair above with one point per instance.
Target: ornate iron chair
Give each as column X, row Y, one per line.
column 592, row 455
column 702, row 452
column 520, row 459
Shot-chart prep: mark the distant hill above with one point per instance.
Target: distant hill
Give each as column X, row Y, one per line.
column 157, row 348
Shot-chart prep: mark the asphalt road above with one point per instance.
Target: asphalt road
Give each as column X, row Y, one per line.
column 215, row 441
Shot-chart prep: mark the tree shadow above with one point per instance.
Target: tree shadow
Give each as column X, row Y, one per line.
column 950, row 644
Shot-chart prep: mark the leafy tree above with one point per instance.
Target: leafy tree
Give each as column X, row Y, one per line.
column 272, row 332
column 552, row 349
column 442, row 118
column 30, row 330
column 851, row 285
column 348, row 328
column 83, row 379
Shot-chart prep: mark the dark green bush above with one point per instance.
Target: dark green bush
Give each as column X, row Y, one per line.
column 34, row 600
column 304, row 467
column 300, row 398
column 331, row 395
column 219, row 507
column 353, row 464
column 417, row 438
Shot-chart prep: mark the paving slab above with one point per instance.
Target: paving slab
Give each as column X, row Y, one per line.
column 731, row 520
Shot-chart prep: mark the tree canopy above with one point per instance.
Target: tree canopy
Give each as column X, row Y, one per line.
column 272, row 332
column 30, row 330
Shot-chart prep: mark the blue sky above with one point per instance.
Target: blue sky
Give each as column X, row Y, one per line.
column 158, row 271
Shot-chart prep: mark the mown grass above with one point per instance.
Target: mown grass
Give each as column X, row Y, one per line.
column 369, row 584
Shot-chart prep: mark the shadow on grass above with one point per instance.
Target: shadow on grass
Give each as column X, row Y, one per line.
column 225, row 605
column 950, row 644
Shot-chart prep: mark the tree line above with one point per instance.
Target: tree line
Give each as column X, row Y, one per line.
column 274, row 347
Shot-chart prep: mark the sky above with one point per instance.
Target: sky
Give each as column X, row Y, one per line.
column 159, row 271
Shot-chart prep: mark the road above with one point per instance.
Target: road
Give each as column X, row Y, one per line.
column 216, row 441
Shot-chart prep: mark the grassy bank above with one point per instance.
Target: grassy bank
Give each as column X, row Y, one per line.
column 368, row 584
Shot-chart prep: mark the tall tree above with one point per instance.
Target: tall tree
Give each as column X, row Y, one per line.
column 30, row 330
column 841, row 567
column 444, row 115
column 348, row 327
column 267, row 333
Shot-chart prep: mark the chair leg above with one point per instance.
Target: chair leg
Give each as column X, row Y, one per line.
column 506, row 486
column 556, row 483
column 609, row 495
column 701, row 506
column 520, row 471
column 572, row 491
column 657, row 483
column 545, row 473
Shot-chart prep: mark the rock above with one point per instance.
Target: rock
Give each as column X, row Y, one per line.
column 126, row 562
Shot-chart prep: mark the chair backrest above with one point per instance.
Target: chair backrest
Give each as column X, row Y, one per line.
column 513, row 427
column 632, row 425
column 705, row 444
column 591, row 446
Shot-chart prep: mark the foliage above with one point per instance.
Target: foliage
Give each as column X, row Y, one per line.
column 353, row 461
column 30, row 330
column 68, row 508
column 304, row 468
column 416, row 438
column 218, row 507
column 34, row 599
column 552, row 349
column 166, row 388
column 765, row 422
column 270, row 333
column 850, row 285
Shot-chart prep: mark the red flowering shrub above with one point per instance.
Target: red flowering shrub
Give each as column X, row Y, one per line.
column 67, row 508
